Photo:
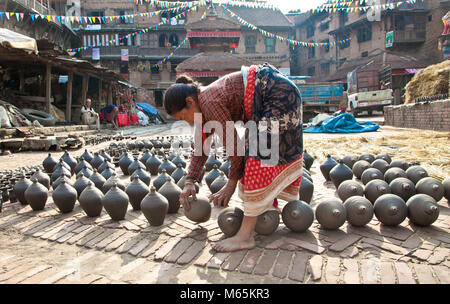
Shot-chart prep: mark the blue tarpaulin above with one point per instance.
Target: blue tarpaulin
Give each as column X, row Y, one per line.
column 148, row 108
column 344, row 123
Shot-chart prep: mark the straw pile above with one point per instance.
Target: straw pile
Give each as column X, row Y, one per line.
column 429, row 148
column 433, row 80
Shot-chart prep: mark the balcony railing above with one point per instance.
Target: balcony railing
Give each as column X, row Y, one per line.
column 39, row 6
column 114, row 52
column 409, row 36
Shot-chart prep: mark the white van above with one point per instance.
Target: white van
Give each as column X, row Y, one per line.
column 370, row 101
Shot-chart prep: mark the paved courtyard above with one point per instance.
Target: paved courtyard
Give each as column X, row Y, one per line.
column 50, row 247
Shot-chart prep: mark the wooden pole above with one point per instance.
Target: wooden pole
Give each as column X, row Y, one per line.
column 22, row 81
column 110, row 94
column 48, row 86
column 100, row 95
column 69, row 98
column 84, row 89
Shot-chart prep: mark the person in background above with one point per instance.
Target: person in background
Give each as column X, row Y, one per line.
column 112, row 110
column 88, row 114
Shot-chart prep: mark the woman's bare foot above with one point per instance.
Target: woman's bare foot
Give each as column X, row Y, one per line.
column 234, row 243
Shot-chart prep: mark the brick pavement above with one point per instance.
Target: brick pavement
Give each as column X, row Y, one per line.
column 370, row 255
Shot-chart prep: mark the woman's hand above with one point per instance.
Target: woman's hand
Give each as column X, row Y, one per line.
column 222, row 198
column 189, row 189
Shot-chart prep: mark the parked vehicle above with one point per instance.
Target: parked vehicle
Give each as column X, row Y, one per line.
column 370, row 101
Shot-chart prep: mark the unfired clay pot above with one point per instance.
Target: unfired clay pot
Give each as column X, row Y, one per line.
column 371, row 174
column 82, row 164
column 61, row 170
column 267, row 223
column 212, row 175
column 105, row 155
column 230, row 220
column 359, row 167
column 136, row 191
column 154, row 206
column 36, row 195
column 350, row 160
column 153, row 164
column 68, row 159
column 308, row 160
column 367, row 157
column 359, row 211
column 91, row 200
column 446, row 184
column 97, row 179
column 394, row 173
column 136, row 164
column 298, row 216
column 376, row 188
column 209, row 165
column 178, row 173
column 381, row 165
column 49, row 163
column 182, row 181
column 104, row 165
column 390, row 209
column 124, row 162
column 172, row 192
column 403, row 187
column 145, row 157
column 431, row 187
column 384, row 157
column 331, row 214
column 97, row 161
column 168, row 166
column 161, row 180
column 306, row 190
column 422, row 209
column 340, row 173
column 225, row 168
column 19, row 189
column 199, row 210
column 80, row 184
column 416, row 173
column 327, row 166
column 42, row 178
column 108, row 172
column 111, row 181
column 65, row 197
column 178, row 161
column 86, row 172
column 219, row 183
column 349, row 188
column 115, row 203
column 142, row 175
column 307, row 176
column 87, row 156
column 399, row 163
column 61, row 178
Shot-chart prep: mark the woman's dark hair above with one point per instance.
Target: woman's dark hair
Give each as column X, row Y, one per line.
column 175, row 98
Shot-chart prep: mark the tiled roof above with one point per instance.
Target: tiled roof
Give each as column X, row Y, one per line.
column 260, row 17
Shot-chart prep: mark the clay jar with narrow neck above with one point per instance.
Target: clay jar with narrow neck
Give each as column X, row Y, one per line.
column 145, row 157
column 359, row 211
column 136, row 164
column 225, row 168
column 390, row 209
column 219, row 183
column 91, row 200
column 212, row 175
column 115, row 203
column 153, row 164
column 80, row 184
column 161, row 180
column 350, row 188
column 308, row 160
column 306, row 190
column 168, row 166
column 350, row 160
column 298, row 216
column 359, row 167
column 376, row 188
column 326, row 167
column 60, row 170
column 82, row 164
column 49, row 163
column 60, row 179
column 87, row 156
column 65, row 197
column 124, row 162
column 394, row 173
column 416, row 173
column 36, row 196
column 111, row 181
column 178, row 173
column 178, row 161
column 104, row 165
column 172, row 192
column 403, row 187
column 230, row 220
column 108, row 172
column 142, row 175
column 19, row 189
column 340, row 173
column 68, row 159
column 331, row 214
column 422, row 209
column 154, row 206
column 199, row 210
column 431, row 187
column 182, row 181
column 211, row 162
column 42, row 178
column 97, row 179
column 136, row 192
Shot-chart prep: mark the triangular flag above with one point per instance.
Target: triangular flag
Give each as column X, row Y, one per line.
column 59, row 18
column 18, row 17
column 21, row 16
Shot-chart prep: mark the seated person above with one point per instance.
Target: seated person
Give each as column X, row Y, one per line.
column 112, row 110
column 88, row 115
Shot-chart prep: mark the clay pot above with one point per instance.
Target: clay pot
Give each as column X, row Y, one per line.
column 297, row 216
column 327, row 166
column 65, row 197
column 308, row 160
column 376, row 188
column 104, row 165
column 403, row 187
column 394, row 173
column 359, row 211
column 267, row 223
column 230, row 220
column 145, row 157
column 142, row 175
column 19, row 189
column 82, row 164
column 131, row 145
column 167, row 165
column 166, row 144
column 49, row 163
column 148, row 144
column 87, row 156
column 136, row 191
column 36, row 195
column 431, row 187
column 111, row 181
column 81, row 183
column 153, row 164
column 306, row 190
column 348, row 189
column 225, row 168
column 134, row 166
column 381, row 165
column 209, row 165
column 199, row 210
column 305, row 175
column 371, row 174
column 350, row 160
column 161, row 180
column 182, row 181
column 68, row 159
column 60, row 179
column 416, row 173
column 172, row 156
column 399, row 163
column 219, row 183
column 62, row 164
column 359, row 167
column 367, row 157
column 86, row 172
column 157, row 144
column 178, row 161
column 124, row 162
column 384, row 157
column 108, row 172
column 97, row 179
column 115, row 203
column 212, row 175
column 331, row 214
column 154, row 206
column 105, row 156
column 178, row 173
column 422, row 209
column 42, row 178
column 60, row 171
column 172, row 192
column 446, row 184
column 91, row 200
column 390, row 209
column 340, row 173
